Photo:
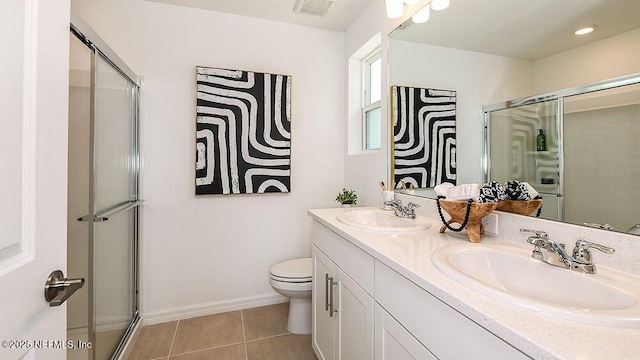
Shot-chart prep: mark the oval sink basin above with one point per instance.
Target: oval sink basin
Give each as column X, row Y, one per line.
column 380, row 220
column 508, row 273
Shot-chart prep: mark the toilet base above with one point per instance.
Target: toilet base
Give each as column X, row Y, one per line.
column 299, row 316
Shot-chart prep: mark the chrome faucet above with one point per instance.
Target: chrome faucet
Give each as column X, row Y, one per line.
column 407, row 212
column 599, row 226
column 553, row 253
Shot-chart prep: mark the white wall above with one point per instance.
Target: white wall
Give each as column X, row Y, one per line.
column 363, row 170
column 605, row 59
column 208, row 253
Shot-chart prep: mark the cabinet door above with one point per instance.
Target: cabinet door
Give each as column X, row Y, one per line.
column 394, row 342
column 324, row 326
column 355, row 319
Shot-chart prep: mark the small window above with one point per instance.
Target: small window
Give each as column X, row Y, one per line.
column 371, row 116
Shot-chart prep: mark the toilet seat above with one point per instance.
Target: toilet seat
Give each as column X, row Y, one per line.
column 290, row 280
column 293, row 271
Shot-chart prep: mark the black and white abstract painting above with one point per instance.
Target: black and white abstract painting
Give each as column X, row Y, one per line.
column 424, row 136
column 243, row 132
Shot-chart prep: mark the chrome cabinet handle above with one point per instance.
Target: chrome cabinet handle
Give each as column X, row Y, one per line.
column 58, row 289
column 332, row 310
column 326, row 291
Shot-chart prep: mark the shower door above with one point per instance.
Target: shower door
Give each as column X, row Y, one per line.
column 103, row 148
column 114, row 204
column 512, row 153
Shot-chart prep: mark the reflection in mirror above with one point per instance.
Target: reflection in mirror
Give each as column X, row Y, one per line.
column 588, row 172
column 494, row 50
column 514, row 154
column 602, row 158
column 424, row 137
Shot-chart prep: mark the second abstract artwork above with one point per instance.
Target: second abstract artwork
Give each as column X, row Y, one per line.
column 243, row 132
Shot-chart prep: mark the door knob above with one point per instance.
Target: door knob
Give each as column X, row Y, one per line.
column 58, row 289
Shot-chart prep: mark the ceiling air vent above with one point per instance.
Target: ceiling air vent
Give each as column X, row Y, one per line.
column 312, row 7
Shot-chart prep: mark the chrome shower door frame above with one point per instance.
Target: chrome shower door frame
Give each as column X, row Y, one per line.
column 100, row 50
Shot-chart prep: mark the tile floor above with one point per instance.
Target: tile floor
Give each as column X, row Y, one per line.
column 250, row 334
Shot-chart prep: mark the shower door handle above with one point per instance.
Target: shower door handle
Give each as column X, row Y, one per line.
column 104, row 215
column 58, row 289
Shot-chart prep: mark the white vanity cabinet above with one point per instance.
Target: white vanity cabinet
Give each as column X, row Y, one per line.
column 342, row 309
column 446, row 333
column 410, row 323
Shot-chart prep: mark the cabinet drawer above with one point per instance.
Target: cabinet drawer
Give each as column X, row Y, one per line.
column 444, row 331
column 352, row 260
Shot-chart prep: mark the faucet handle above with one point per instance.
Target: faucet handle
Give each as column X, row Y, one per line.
column 393, row 202
column 582, row 254
column 539, row 233
column 410, row 210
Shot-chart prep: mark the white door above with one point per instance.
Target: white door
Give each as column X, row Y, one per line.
column 33, row 174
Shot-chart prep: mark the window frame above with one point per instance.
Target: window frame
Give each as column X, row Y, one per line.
column 367, row 106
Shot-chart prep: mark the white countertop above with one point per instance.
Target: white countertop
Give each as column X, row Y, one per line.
column 537, row 335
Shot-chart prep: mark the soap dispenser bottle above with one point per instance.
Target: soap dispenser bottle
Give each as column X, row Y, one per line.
column 541, row 141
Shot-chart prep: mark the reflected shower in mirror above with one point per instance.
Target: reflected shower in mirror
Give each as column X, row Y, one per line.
column 588, row 172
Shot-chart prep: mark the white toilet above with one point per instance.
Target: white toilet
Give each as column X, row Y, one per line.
column 293, row 279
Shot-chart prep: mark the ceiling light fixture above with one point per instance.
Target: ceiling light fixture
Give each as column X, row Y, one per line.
column 395, row 8
column 439, row 4
column 585, row 30
column 422, row 16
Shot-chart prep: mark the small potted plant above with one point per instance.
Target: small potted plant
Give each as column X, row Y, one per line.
column 347, row 197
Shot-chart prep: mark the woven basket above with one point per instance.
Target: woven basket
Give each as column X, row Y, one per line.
column 457, row 210
column 520, row 207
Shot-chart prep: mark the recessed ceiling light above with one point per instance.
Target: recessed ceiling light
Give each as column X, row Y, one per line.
column 585, row 30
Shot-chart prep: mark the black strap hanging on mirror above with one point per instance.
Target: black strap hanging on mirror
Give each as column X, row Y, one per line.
column 466, row 216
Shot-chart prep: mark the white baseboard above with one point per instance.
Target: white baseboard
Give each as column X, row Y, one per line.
column 216, row 307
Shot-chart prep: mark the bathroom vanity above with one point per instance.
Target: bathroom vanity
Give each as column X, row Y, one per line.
column 377, row 295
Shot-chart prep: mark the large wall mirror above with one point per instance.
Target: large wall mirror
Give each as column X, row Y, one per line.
column 499, row 51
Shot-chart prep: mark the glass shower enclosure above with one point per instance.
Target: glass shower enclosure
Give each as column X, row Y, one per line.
column 513, row 153
column 104, row 169
column 587, row 173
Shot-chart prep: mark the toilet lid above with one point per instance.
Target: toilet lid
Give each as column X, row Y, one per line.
column 293, row 269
